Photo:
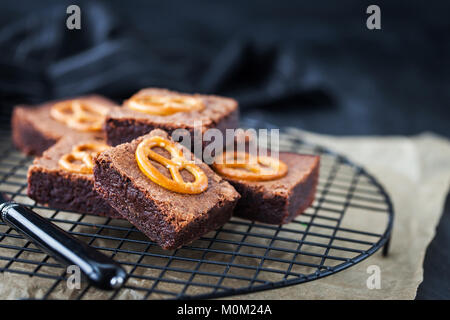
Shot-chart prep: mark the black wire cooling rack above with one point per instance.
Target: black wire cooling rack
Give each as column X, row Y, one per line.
column 336, row 232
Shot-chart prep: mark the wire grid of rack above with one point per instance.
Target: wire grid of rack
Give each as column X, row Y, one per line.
column 335, row 233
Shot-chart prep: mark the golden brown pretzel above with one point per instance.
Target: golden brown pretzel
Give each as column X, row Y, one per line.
column 163, row 105
column 175, row 164
column 80, row 114
column 243, row 166
column 83, row 153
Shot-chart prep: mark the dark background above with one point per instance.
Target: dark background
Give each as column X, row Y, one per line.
column 309, row 64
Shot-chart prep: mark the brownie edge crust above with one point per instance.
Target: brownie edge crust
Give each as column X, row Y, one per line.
column 63, row 191
column 168, row 218
column 26, row 137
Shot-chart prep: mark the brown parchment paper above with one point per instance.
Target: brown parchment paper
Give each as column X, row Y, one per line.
column 415, row 172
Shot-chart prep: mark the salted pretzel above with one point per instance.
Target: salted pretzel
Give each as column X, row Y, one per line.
column 164, row 105
column 84, row 153
column 175, row 164
column 80, row 114
column 243, row 166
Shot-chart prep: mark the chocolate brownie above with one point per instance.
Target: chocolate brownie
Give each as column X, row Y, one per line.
column 50, row 184
column 34, row 130
column 169, row 218
column 125, row 124
column 279, row 201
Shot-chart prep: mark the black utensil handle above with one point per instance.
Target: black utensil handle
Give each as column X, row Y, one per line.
column 102, row 271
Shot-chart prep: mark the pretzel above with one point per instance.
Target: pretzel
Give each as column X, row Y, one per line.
column 243, row 166
column 84, row 153
column 81, row 115
column 176, row 163
column 162, row 105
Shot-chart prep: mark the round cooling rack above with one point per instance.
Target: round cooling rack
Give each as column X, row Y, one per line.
column 350, row 219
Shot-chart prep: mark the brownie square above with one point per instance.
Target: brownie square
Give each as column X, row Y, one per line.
column 58, row 188
column 34, row 130
column 168, row 218
column 279, row 201
column 125, row 124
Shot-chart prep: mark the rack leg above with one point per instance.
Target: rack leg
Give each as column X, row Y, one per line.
column 386, row 247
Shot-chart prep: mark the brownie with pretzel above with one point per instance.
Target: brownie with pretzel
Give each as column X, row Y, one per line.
column 36, row 128
column 153, row 108
column 274, row 188
column 163, row 190
column 62, row 177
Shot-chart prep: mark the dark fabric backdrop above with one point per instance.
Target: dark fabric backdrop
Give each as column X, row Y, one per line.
column 310, row 64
